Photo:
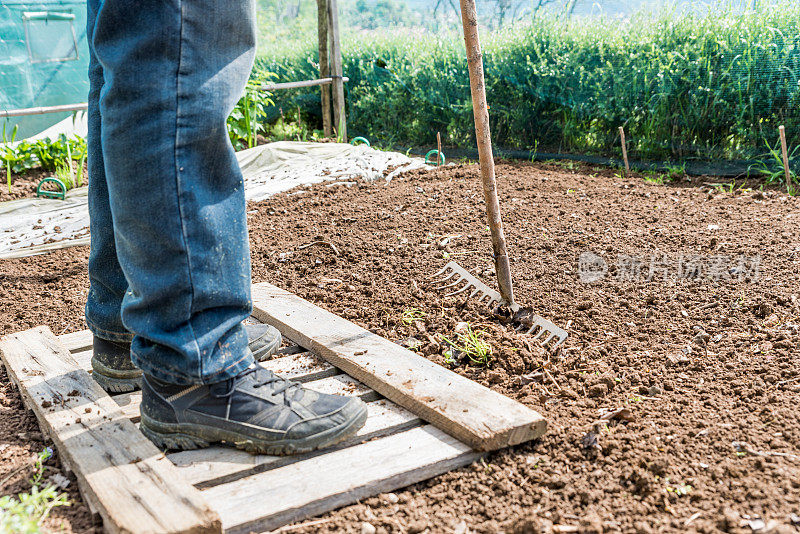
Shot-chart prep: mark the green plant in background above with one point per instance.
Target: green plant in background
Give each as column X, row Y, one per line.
column 772, row 169
column 81, row 160
column 64, row 173
column 674, row 172
column 685, row 84
column 9, row 154
column 470, row 343
column 245, row 122
column 24, row 513
column 654, row 178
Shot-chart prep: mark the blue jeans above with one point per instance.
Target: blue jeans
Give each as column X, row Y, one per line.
column 169, row 266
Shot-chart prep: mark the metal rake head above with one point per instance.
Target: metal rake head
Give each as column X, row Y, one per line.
column 455, row 277
column 546, row 331
column 459, row 280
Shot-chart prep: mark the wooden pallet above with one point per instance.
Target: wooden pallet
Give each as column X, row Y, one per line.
column 136, row 488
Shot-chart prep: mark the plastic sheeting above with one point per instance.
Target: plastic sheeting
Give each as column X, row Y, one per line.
column 35, row 226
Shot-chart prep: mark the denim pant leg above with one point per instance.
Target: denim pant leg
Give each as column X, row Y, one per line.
column 173, row 70
column 107, row 284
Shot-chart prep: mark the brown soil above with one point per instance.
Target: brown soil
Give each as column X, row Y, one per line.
column 24, row 185
column 707, row 369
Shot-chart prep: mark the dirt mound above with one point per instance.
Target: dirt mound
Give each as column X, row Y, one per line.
column 672, row 405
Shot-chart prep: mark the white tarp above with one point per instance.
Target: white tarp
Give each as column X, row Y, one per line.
column 34, row 226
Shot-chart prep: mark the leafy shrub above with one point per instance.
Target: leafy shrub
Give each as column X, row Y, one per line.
column 684, row 86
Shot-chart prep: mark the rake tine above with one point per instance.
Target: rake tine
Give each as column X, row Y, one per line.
column 546, row 341
column 457, row 282
column 460, row 290
column 446, row 267
column 446, row 278
column 475, row 293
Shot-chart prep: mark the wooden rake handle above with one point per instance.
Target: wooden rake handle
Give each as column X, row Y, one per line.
column 480, row 109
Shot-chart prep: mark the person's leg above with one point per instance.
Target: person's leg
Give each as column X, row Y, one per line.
column 173, row 70
column 107, row 282
column 111, row 361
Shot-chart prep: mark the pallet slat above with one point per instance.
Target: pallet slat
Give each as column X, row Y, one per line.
column 475, row 414
column 305, row 489
column 217, row 465
column 77, row 341
column 133, row 486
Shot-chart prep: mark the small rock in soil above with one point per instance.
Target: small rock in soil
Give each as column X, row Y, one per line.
column 367, row 528
column 415, row 527
column 589, row 441
column 591, row 524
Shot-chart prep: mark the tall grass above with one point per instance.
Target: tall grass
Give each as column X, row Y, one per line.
column 683, row 85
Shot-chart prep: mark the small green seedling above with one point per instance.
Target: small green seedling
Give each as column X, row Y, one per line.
column 9, row 154
column 469, row 342
column 410, row 315
column 24, row 513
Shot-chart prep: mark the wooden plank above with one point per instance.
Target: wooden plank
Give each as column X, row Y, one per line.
column 301, row 367
column 77, row 341
column 121, row 474
column 335, row 385
column 475, row 414
column 324, row 66
column 308, row 488
column 339, row 119
column 217, row 465
column 83, row 359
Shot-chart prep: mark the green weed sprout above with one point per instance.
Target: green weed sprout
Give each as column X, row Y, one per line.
column 81, row 160
column 410, row 315
column 64, row 173
column 9, row 153
column 776, row 172
column 24, row 513
column 470, row 343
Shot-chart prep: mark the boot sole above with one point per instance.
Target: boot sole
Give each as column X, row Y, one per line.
column 116, row 381
column 188, row 436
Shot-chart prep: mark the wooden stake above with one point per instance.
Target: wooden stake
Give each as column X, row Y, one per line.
column 438, row 148
column 480, row 109
column 624, row 150
column 324, row 65
column 339, row 120
column 785, row 151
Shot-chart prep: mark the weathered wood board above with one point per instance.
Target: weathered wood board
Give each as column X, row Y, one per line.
column 124, row 476
column 482, row 418
column 304, row 489
column 136, row 488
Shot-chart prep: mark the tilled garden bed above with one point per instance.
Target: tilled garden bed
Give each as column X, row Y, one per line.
column 672, row 405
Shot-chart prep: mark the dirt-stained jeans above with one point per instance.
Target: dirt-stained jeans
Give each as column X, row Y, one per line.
column 170, row 262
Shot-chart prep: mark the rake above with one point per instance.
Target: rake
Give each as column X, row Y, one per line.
column 455, row 277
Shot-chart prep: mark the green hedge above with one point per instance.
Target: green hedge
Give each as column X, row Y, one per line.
column 714, row 86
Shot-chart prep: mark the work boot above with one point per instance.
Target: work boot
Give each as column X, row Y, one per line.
column 113, row 369
column 256, row 411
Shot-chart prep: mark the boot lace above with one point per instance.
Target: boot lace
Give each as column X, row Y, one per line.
column 262, row 377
